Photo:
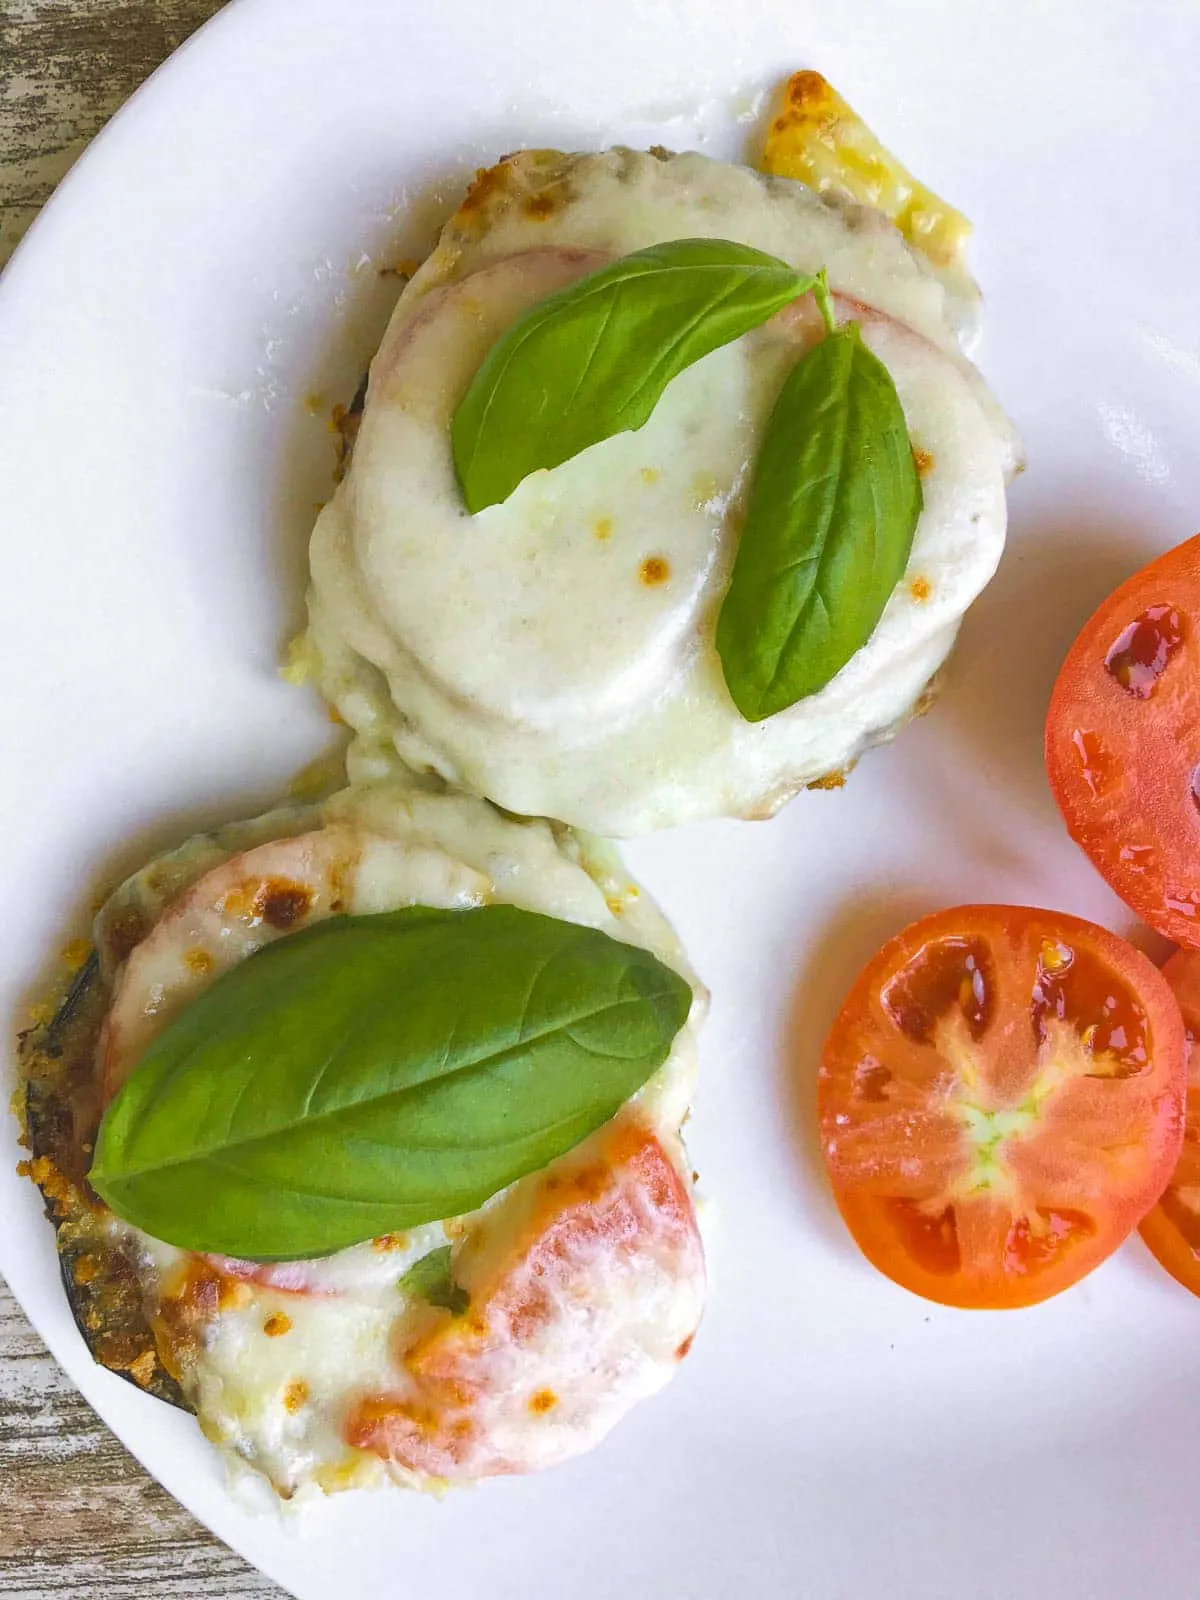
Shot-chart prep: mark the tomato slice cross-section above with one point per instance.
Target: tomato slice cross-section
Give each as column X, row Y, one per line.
column 1172, row 1230
column 1001, row 1102
column 1123, row 742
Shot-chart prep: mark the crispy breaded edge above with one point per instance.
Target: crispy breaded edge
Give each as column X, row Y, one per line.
column 59, row 1111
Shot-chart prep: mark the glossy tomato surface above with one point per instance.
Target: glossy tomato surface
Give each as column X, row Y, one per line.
column 1123, row 742
column 1172, row 1230
column 1001, row 1102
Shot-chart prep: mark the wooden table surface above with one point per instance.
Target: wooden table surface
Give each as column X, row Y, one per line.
column 78, row 1516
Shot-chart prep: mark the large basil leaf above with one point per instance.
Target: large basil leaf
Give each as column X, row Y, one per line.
column 833, row 507
column 594, row 359
column 373, row 1073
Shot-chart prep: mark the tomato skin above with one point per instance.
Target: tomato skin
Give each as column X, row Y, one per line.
column 1123, row 742
column 1001, row 1103
column 1172, row 1229
column 285, row 1277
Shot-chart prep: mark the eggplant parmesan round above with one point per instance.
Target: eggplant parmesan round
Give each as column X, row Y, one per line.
column 501, row 1340
column 556, row 652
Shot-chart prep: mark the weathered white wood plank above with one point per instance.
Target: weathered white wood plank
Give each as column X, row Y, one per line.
column 65, row 67
column 78, row 1516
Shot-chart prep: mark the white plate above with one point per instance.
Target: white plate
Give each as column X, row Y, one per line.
column 209, row 264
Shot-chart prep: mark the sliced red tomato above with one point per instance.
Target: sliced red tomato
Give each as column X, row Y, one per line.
column 289, row 1277
column 1123, row 742
column 1172, row 1230
column 1001, row 1102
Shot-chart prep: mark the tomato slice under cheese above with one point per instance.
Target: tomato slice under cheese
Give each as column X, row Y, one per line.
column 585, row 1280
column 584, row 1306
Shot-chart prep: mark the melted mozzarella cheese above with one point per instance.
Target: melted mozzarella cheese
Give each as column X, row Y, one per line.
column 279, row 1360
column 556, row 652
column 816, row 137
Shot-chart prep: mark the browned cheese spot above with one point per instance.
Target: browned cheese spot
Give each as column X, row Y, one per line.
column 539, row 207
column 276, row 1324
column 198, row 961
column 808, row 99
column 541, row 1402
column 655, row 570
column 807, row 89
column 201, row 1291
column 489, row 184
column 281, row 903
column 295, row 1396
column 390, row 1241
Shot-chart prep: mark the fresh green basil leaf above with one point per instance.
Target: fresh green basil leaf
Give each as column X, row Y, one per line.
column 594, row 359
column 373, row 1073
column 432, row 1279
column 833, row 507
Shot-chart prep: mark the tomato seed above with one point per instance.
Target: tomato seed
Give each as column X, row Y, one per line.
column 1140, row 655
column 944, row 976
column 930, row 1237
column 1069, row 987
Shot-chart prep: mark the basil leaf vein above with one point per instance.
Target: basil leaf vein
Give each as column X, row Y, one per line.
column 594, row 359
column 373, row 1073
column 833, row 507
